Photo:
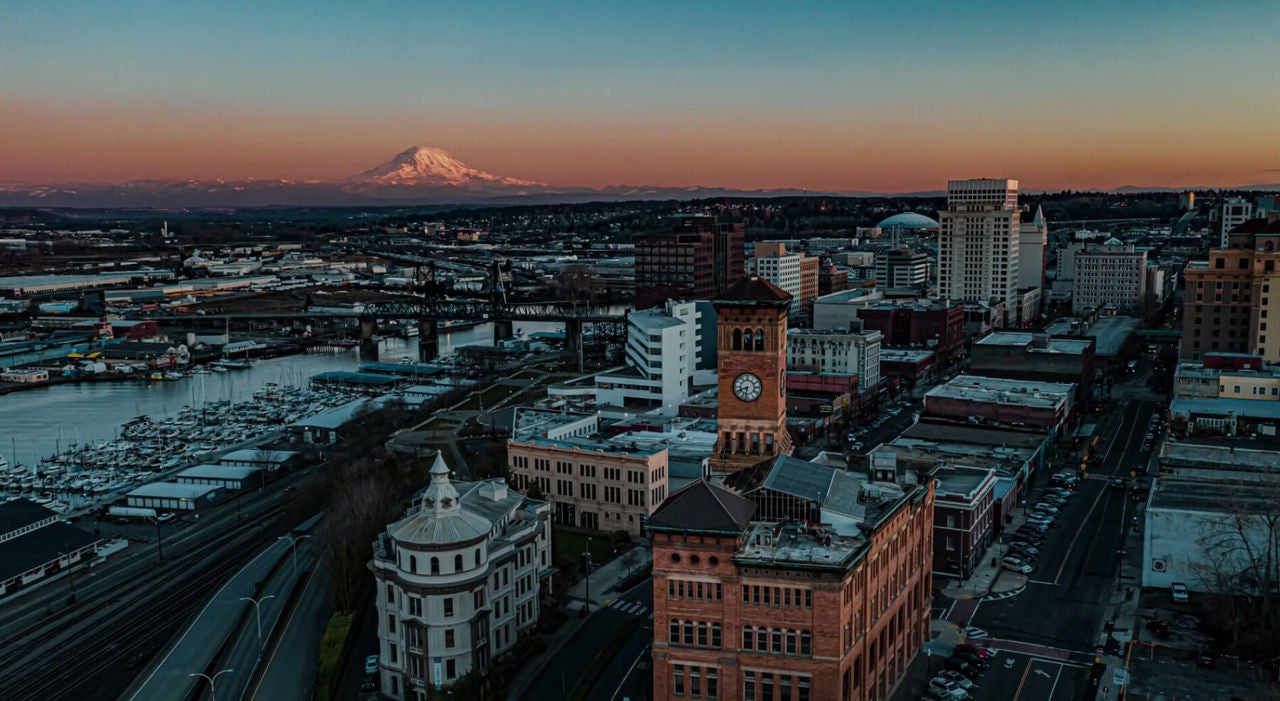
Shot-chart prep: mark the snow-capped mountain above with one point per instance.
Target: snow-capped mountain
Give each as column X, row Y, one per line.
column 422, row 175
column 428, row 165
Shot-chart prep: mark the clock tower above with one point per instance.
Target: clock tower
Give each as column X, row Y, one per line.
column 751, row 419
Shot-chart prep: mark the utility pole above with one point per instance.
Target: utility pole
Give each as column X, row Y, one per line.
column 257, row 610
column 587, row 556
column 159, row 539
column 293, row 545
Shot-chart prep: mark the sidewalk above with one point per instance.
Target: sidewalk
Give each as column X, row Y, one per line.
column 1122, row 614
column 603, row 583
column 990, row 578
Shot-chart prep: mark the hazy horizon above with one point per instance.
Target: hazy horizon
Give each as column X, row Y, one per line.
column 828, row 96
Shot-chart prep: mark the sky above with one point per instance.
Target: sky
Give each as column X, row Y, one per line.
column 835, row 96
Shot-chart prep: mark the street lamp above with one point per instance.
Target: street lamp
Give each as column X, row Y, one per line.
column 293, row 545
column 159, row 540
column 213, row 693
column 587, row 555
column 257, row 610
column 71, row 573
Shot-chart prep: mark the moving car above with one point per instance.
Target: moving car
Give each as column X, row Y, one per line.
column 1179, row 591
column 1119, row 483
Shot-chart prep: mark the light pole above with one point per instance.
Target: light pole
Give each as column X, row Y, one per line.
column 71, row 573
column 587, row 556
column 213, row 693
column 293, row 545
column 257, row 611
column 159, row 539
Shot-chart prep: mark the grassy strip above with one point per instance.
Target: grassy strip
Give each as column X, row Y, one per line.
column 602, row 660
column 335, row 634
column 571, row 545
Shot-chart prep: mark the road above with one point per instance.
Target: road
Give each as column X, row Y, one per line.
column 1046, row 634
column 562, row 672
column 289, row 670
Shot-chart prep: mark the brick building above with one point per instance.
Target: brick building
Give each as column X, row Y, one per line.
column 964, row 521
column 1021, row 355
column 1227, row 302
column 938, row 327
column 697, row 259
column 812, row 585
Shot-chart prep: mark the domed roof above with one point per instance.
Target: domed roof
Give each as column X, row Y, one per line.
column 908, row 220
column 437, row 517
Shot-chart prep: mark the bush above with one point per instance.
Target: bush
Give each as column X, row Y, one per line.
column 335, row 635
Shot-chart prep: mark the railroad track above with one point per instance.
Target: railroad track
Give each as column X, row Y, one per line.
column 77, row 660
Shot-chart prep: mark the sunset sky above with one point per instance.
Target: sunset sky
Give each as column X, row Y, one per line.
column 886, row 96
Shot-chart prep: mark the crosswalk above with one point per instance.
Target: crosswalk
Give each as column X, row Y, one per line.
column 631, row 608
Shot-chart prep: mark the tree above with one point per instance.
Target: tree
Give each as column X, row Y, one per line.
column 630, row 558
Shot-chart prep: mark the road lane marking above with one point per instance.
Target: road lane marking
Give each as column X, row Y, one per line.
column 266, row 667
column 1055, row 683
column 1022, row 681
column 627, row 676
column 1092, row 507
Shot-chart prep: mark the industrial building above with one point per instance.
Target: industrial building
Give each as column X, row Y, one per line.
column 171, row 496
column 228, row 477
column 34, row 544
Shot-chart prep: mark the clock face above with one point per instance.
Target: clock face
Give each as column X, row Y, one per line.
column 747, row 387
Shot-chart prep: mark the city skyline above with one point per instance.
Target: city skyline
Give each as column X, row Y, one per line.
column 828, row 97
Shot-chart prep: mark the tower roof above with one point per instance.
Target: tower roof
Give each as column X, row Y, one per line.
column 705, row 508
column 754, row 291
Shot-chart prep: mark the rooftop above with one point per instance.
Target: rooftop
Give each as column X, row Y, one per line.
column 998, row 390
column 1051, row 344
column 21, row 512
column 908, row 220
column 962, row 481
column 233, row 472
column 259, row 455
column 753, row 290
column 795, row 545
column 654, row 319
column 448, row 512
column 1111, row 332
column 703, row 507
column 1223, row 407
column 1235, row 498
column 173, row 490
column 43, row 545
column 1217, row 454
column 902, row 355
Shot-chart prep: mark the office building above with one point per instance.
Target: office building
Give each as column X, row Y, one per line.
column 696, row 259
column 772, row 262
column 930, row 325
column 1110, row 276
column 591, row 480
column 1231, row 299
column 808, row 583
column 832, row 278
column 903, row 270
column 979, row 244
column 669, row 351
column 1038, row 357
column 808, row 285
column 1235, row 211
column 458, row 581
column 836, row 352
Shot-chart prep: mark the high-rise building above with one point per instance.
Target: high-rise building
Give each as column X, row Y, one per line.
column 832, row 278
column 808, row 285
column 751, row 411
column 1235, row 211
column 458, row 581
column 979, row 242
column 811, row 584
column 1232, row 298
column 1110, row 275
column 902, row 270
column 697, row 259
column 1033, row 251
column 772, row 262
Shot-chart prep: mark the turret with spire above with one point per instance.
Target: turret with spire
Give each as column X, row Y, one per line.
column 440, row 498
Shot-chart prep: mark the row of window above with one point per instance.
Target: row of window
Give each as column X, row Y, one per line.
column 785, row 597
column 696, row 591
column 433, row 564
column 694, row 633
column 695, row 682
column 777, row 640
column 760, row 686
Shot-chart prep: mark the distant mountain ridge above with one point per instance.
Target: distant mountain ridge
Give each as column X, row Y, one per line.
column 421, row 175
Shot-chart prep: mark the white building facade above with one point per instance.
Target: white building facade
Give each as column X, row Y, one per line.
column 773, row 263
column 1235, row 211
column 1112, row 274
column 665, row 358
column 814, row 350
column 458, row 580
column 979, row 242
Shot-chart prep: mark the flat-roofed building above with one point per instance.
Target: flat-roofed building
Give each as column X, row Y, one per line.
column 1045, row 405
column 230, row 477
column 964, row 524
column 802, row 582
column 1023, row 355
column 591, row 480
column 172, row 496
column 824, row 351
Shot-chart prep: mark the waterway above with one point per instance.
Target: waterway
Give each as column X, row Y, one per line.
column 36, row 423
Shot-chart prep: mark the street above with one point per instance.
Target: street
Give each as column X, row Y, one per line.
column 1045, row 634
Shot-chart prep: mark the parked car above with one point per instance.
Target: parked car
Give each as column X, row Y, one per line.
column 972, row 660
column 962, row 681
column 1179, row 591
column 1016, row 564
column 1119, row 483
column 166, row 517
column 956, row 664
column 948, row 687
column 1020, row 548
column 1045, row 507
column 985, row 653
column 1158, row 628
column 1055, row 498
column 371, row 664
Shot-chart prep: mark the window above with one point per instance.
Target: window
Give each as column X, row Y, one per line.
column 748, row 686
column 415, row 606
column 448, row 638
column 688, row 633
column 391, row 623
column 450, row 669
column 448, row 606
column 677, row 679
column 391, row 593
column 673, row 635
column 457, row 563
column 413, row 563
column 435, row 565
column 711, row 682
column 477, row 558
column 748, row 637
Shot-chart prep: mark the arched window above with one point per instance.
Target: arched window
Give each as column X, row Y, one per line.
column 477, row 557
column 737, row 339
column 457, row 563
column 435, row 565
column 759, row 339
column 413, row 564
